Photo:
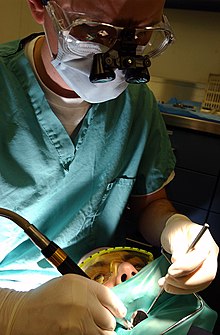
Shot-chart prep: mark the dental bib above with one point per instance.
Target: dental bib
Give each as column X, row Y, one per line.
column 172, row 314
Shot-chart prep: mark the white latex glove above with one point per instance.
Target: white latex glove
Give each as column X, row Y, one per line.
column 192, row 271
column 68, row 305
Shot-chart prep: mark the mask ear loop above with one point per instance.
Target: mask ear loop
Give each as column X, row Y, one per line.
column 199, row 309
column 50, row 12
column 45, row 4
column 48, row 42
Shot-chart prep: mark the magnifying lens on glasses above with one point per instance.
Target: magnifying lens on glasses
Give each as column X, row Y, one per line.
column 128, row 49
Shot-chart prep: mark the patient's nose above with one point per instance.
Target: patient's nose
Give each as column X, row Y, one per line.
column 125, row 271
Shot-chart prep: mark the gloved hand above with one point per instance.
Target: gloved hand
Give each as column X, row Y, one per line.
column 70, row 305
column 193, row 271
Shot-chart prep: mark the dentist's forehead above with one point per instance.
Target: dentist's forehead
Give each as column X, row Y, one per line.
column 118, row 12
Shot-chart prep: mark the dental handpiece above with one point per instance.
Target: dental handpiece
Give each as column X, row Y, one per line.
column 51, row 251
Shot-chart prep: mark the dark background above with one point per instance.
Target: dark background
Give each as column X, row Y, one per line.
column 207, row 5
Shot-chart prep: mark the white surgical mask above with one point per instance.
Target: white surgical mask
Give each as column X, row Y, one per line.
column 74, row 66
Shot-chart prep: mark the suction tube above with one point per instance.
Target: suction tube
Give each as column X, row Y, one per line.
column 51, row 251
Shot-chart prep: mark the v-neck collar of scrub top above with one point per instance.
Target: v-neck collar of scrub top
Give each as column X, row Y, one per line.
column 46, row 118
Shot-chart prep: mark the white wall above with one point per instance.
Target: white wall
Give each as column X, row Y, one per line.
column 16, row 20
column 183, row 70
column 196, row 52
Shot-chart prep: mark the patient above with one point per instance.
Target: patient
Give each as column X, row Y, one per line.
column 112, row 266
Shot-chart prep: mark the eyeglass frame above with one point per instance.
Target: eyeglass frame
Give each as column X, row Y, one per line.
column 162, row 26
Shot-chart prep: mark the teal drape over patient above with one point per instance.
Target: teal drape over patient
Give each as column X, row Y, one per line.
column 139, row 292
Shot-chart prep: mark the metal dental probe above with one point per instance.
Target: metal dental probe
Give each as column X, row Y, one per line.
column 53, row 253
column 197, row 238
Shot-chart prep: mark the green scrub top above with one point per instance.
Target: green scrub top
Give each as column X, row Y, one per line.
column 74, row 192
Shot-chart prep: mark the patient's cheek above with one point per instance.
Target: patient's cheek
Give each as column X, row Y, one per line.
column 111, row 282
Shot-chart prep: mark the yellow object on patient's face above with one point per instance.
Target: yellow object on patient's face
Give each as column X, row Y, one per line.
column 113, row 266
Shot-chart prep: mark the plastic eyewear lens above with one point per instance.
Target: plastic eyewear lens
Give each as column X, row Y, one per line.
column 95, row 32
column 150, row 40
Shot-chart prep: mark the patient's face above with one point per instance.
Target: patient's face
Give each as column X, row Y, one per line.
column 113, row 268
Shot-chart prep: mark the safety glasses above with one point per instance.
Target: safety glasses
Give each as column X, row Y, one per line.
column 78, row 27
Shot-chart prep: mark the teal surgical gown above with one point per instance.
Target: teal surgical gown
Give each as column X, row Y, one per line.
column 74, row 192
